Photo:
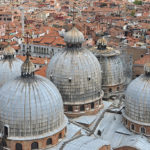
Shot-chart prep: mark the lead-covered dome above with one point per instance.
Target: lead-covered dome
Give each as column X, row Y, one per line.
column 137, row 98
column 112, row 66
column 10, row 66
column 77, row 74
column 31, row 107
column 113, row 77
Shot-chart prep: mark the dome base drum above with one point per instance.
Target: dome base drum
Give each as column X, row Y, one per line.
column 84, row 109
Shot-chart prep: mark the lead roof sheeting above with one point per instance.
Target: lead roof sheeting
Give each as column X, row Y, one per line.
column 109, row 126
column 85, row 143
column 77, row 66
column 9, row 69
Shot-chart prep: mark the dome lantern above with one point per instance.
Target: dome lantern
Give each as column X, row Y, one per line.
column 8, row 52
column 74, row 38
column 102, row 44
column 27, row 68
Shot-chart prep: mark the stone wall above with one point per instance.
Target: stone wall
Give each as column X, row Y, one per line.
column 42, row 143
column 85, row 109
column 136, row 128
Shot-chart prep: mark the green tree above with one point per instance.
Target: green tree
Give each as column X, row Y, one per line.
column 137, row 2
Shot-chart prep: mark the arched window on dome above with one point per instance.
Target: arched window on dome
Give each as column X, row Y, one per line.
column 110, row 90
column 126, row 122
column 82, row 108
column 34, row 146
column 118, row 88
column 6, row 131
column 18, row 146
column 70, row 108
column 92, row 105
column 60, row 136
column 132, row 126
column 49, row 141
column 143, row 130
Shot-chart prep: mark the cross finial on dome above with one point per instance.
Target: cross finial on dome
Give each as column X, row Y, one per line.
column 27, row 68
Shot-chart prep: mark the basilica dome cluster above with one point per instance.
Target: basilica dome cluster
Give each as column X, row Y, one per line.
column 32, row 107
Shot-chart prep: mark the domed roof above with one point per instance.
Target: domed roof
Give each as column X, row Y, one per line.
column 10, row 67
column 74, row 36
column 113, row 72
column 76, row 72
column 77, row 76
column 137, row 99
column 9, row 50
column 32, row 108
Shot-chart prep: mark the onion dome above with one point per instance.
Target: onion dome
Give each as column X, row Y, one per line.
column 31, row 106
column 74, row 36
column 137, row 99
column 10, row 65
column 76, row 72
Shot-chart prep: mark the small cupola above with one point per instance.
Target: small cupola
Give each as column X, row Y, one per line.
column 102, row 44
column 74, row 38
column 27, row 68
column 9, row 52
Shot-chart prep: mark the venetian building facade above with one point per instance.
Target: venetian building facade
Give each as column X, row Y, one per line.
column 31, row 112
column 136, row 115
column 9, row 64
column 113, row 78
column 77, row 74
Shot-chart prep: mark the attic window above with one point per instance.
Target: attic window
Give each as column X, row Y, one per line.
column 132, row 126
